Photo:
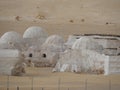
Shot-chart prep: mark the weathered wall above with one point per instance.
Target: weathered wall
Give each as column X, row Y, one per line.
column 112, row 65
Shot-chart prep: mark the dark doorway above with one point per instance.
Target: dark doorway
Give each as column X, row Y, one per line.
column 30, row 55
column 44, row 55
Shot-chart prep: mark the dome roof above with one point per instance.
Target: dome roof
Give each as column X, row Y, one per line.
column 53, row 43
column 11, row 37
column 86, row 43
column 35, row 32
column 54, row 40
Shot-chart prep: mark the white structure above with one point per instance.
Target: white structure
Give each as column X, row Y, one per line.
column 54, row 41
column 35, row 36
column 71, row 40
column 87, row 55
column 12, row 40
column 83, row 57
column 81, row 61
column 10, row 62
column 52, row 48
column 49, row 52
column 12, row 36
column 87, row 43
column 84, row 53
column 112, row 65
column 110, row 45
column 32, row 54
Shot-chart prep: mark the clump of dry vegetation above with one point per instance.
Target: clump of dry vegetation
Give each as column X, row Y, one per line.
column 39, row 16
column 72, row 21
column 19, row 70
column 82, row 20
column 17, row 18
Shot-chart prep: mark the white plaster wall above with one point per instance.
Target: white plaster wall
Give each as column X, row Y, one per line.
column 112, row 65
column 8, row 59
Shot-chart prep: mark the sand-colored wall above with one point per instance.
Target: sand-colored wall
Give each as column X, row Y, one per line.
column 62, row 17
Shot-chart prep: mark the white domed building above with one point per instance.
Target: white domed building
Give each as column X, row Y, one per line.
column 35, row 36
column 55, row 42
column 35, row 32
column 71, row 40
column 87, row 43
column 83, row 57
column 11, row 62
column 49, row 52
column 11, row 36
column 12, row 40
column 11, row 59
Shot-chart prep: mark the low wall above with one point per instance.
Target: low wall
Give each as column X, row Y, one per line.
column 112, row 65
column 9, row 53
column 8, row 59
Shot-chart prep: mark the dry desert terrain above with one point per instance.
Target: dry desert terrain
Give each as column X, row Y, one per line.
column 62, row 17
column 44, row 79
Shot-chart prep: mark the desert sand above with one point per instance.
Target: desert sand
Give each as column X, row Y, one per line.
column 38, row 78
column 62, row 17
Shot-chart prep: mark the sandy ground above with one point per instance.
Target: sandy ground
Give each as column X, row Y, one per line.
column 62, row 29
column 62, row 17
column 44, row 78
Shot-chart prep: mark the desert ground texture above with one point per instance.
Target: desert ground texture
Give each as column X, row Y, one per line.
column 63, row 17
column 44, row 79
